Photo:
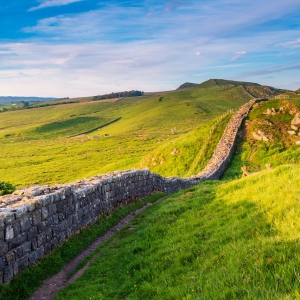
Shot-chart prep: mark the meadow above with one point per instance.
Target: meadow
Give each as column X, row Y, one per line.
column 36, row 147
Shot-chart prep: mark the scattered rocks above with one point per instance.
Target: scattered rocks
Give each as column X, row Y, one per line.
column 291, row 132
column 271, row 112
column 261, row 136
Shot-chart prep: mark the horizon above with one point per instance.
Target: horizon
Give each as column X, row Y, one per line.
column 77, row 48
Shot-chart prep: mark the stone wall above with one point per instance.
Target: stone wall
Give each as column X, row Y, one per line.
column 35, row 220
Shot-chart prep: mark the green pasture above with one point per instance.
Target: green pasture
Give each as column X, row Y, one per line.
column 235, row 240
column 36, row 148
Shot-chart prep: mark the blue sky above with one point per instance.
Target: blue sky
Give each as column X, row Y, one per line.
column 69, row 48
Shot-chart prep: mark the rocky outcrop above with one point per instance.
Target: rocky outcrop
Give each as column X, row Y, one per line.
column 261, row 136
column 35, row 220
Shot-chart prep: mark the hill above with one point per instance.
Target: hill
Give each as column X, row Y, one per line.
column 37, row 148
column 269, row 136
column 187, row 85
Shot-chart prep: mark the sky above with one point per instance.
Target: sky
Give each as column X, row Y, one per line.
column 73, row 48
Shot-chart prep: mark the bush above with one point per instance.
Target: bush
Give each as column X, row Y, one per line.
column 6, row 188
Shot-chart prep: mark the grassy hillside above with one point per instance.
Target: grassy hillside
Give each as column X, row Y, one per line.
column 236, row 240
column 281, row 147
column 36, row 148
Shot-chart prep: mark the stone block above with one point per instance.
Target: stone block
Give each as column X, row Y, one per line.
column 52, row 209
column 8, row 274
column 34, row 244
column 23, row 263
column 18, row 252
column 32, row 258
column 36, row 216
column 25, row 222
column 9, row 233
column 47, row 248
column 41, row 227
column 45, row 212
column 3, row 249
column 39, row 252
column 26, row 247
column 33, row 232
column 10, row 258
column 41, row 239
column 17, row 241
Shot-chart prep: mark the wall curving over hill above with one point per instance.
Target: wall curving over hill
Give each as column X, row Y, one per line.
column 35, row 220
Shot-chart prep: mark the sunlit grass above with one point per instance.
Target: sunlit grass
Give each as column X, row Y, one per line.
column 36, row 148
column 237, row 240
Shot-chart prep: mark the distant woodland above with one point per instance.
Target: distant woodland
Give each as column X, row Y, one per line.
column 119, row 95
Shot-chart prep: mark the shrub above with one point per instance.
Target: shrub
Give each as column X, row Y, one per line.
column 6, row 188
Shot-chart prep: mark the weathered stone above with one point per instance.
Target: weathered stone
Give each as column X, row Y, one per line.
column 296, row 120
column 9, row 233
column 8, row 274
column 36, row 216
column 18, row 240
column 294, row 127
column 3, row 249
column 291, row 132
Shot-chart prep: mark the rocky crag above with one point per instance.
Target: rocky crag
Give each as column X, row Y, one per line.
column 35, row 220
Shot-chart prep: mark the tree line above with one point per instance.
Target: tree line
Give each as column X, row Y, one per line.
column 119, row 95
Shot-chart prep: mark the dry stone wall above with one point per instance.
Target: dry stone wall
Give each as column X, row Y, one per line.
column 35, row 220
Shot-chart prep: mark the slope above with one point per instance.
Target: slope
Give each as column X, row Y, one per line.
column 268, row 137
column 236, row 240
column 36, row 149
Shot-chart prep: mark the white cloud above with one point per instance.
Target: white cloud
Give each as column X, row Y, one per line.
column 50, row 3
column 291, row 44
column 198, row 53
column 238, row 55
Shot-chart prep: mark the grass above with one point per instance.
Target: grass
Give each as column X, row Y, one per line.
column 236, row 240
column 188, row 154
column 36, row 148
column 29, row 280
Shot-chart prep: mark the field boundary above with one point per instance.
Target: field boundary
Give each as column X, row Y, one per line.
column 96, row 128
column 36, row 220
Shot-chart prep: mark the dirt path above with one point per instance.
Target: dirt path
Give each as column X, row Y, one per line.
column 51, row 286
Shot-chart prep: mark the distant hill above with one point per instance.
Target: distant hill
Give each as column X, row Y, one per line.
column 253, row 89
column 10, row 99
column 187, row 85
column 298, row 91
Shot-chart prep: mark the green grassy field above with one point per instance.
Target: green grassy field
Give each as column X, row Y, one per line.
column 235, row 240
column 36, row 148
